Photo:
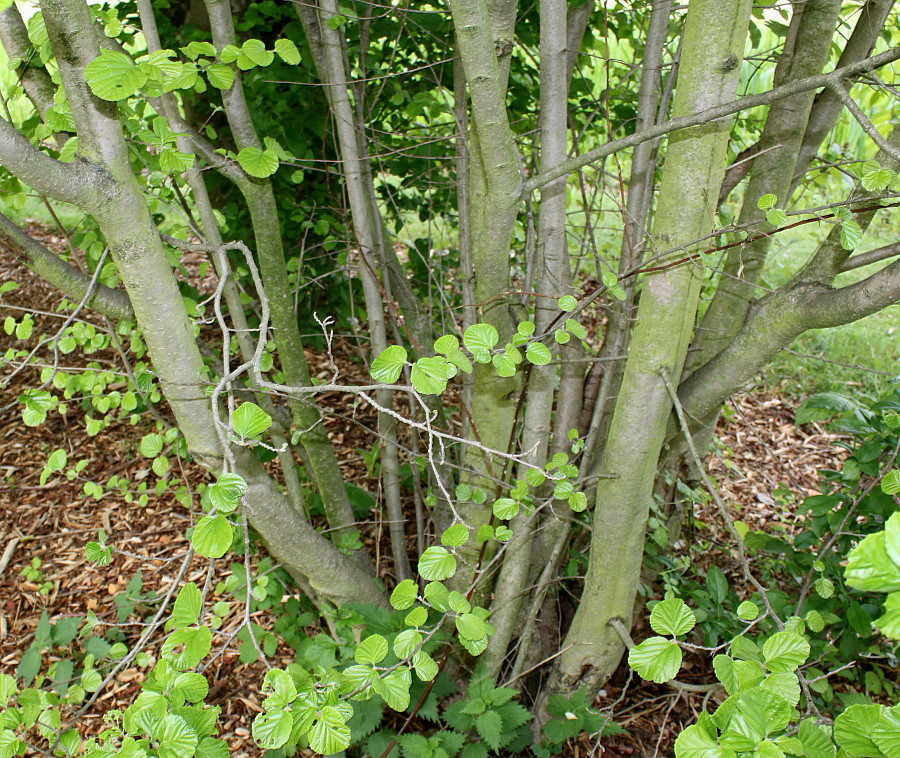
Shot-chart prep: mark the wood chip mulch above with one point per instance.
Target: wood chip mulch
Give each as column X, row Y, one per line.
column 760, row 455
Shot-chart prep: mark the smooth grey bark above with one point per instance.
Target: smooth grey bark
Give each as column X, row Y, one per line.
column 643, row 166
column 552, row 278
column 495, row 193
column 714, row 36
column 366, row 227
column 168, row 108
column 264, row 215
column 64, row 276
column 806, row 53
column 122, row 214
column 34, row 78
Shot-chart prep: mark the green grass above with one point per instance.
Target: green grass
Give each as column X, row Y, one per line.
column 869, row 345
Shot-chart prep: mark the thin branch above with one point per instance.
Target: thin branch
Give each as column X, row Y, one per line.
column 711, row 114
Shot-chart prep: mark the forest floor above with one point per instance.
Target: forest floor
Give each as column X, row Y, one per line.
column 760, row 454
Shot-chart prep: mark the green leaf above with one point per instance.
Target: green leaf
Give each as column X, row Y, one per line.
column 578, row 502
column 436, row 594
column 113, row 76
column 455, row 536
column 824, row 587
column 785, row 651
column 816, row 741
column 504, row 365
column 212, row 536
column 254, row 54
column 371, row 650
column 249, row 420
column 747, row 611
column 575, row 329
column 57, row 460
column 562, row 336
column 404, row 595
column 388, row 366
column 220, row 76
column 851, row 235
column 425, row 666
column 695, row 742
column 405, row 642
column 672, row 617
column 853, row 730
column 490, row 728
column 272, row 729
column 525, row 328
column 416, row 617
column 227, row 492
column 538, row 354
column 287, row 51
column 876, row 178
column 186, row 609
column 176, row 739
column 194, row 644
column 766, row 202
column 329, row 733
column 151, row 445
column 776, row 217
column 394, row 688
column 567, row 303
column 870, row 569
column 887, row 733
column 480, row 338
column 890, row 483
column 190, row 686
column 655, row 659
column 470, row 626
column 258, row 163
column 173, row 162
column 430, row 375
column 437, row 563
column 505, row 508
column 889, row 623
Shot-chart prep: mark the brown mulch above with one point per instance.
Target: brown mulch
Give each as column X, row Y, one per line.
column 759, row 457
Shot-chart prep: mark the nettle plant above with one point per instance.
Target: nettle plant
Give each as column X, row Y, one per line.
column 770, row 707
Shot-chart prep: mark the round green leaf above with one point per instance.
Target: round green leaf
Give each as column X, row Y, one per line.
column 480, row 337
column 853, row 730
column 416, row 617
column 672, row 617
column 250, row 420
column 505, row 508
column 578, row 502
column 113, row 76
column 151, row 445
column 567, row 303
column 287, row 51
column 785, row 651
column 887, row 733
column 272, row 729
column 371, row 650
column 437, row 595
column 538, row 354
column 747, row 611
column 227, row 491
column 57, row 460
column 212, row 536
column 394, row 688
column 425, row 666
column 405, row 642
column 176, row 739
column 455, row 535
column 404, row 595
column 220, row 76
column 329, row 733
column 430, row 375
column 437, row 563
column 388, row 366
column 890, row 484
column 470, row 626
column 258, row 163
column 655, row 659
